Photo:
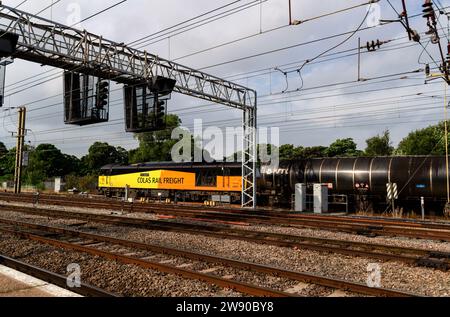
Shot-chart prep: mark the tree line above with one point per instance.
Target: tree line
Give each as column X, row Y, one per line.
column 427, row 141
column 46, row 161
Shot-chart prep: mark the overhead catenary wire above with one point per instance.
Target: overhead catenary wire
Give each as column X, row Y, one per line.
column 306, row 124
column 53, row 77
column 157, row 32
column 20, row 4
column 48, row 7
column 133, row 42
column 57, row 77
column 367, row 82
column 178, row 111
column 411, row 17
column 420, row 43
column 313, row 41
column 100, row 12
column 120, row 121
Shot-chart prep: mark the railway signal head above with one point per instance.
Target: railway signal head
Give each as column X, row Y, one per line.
column 162, row 86
column 102, row 94
column 160, row 112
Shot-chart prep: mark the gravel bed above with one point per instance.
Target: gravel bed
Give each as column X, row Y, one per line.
column 259, row 279
column 127, row 280
column 307, row 232
column 395, row 275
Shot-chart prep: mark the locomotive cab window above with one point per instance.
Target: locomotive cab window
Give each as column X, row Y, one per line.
column 206, row 179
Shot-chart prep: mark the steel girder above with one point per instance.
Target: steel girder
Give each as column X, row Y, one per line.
column 54, row 44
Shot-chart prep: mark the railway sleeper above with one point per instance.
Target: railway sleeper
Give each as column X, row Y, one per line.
column 433, row 263
column 440, row 255
column 367, row 233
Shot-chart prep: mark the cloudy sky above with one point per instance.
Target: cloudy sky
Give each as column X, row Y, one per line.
column 247, row 47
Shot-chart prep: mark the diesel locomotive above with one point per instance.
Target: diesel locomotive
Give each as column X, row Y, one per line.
column 176, row 181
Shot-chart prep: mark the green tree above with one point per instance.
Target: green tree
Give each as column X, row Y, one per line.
column 156, row 146
column 3, row 149
column 101, row 154
column 380, row 145
column 47, row 161
column 6, row 163
column 343, row 147
column 314, row 152
column 427, row 141
column 290, row 152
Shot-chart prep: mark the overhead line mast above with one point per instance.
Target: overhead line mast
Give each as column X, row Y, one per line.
column 54, row 44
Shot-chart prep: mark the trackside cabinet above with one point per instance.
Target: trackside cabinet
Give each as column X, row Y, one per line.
column 320, row 198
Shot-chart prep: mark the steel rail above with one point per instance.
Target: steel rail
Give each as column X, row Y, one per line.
column 208, row 278
column 53, row 278
column 270, row 217
column 341, row 225
column 413, row 256
column 304, row 277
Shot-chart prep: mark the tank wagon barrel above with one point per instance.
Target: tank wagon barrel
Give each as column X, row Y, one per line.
column 415, row 176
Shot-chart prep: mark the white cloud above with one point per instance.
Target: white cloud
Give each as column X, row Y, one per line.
column 138, row 18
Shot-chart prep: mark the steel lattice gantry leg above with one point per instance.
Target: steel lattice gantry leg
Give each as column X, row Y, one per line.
column 249, row 156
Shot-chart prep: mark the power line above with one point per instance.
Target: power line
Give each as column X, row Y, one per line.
column 299, row 70
column 268, row 31
column 352, row 32
column 195, row 25
column 23, row 2
column 359, row 84
column 120, row 121
column 48, row 7
column 374, row 115
column 100, row 12
column 156, row 33
column 57, row 77
column 234, row 60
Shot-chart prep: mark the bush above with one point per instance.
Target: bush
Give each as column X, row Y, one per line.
column 84, row 183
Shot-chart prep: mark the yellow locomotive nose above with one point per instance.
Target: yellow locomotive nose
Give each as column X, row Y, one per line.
column 169, row 180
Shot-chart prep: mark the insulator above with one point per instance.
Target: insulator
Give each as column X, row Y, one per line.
column 427, row 70
column 378, row 43
column 435, row 39
column 428, row 11
column 415, row 36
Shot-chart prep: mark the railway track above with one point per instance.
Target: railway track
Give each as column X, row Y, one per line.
column 277, row 216
column 53, row 278
column 131, row 252
column 367, row 227
column 274, row 216
column 412, row 256
column 105, row 203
